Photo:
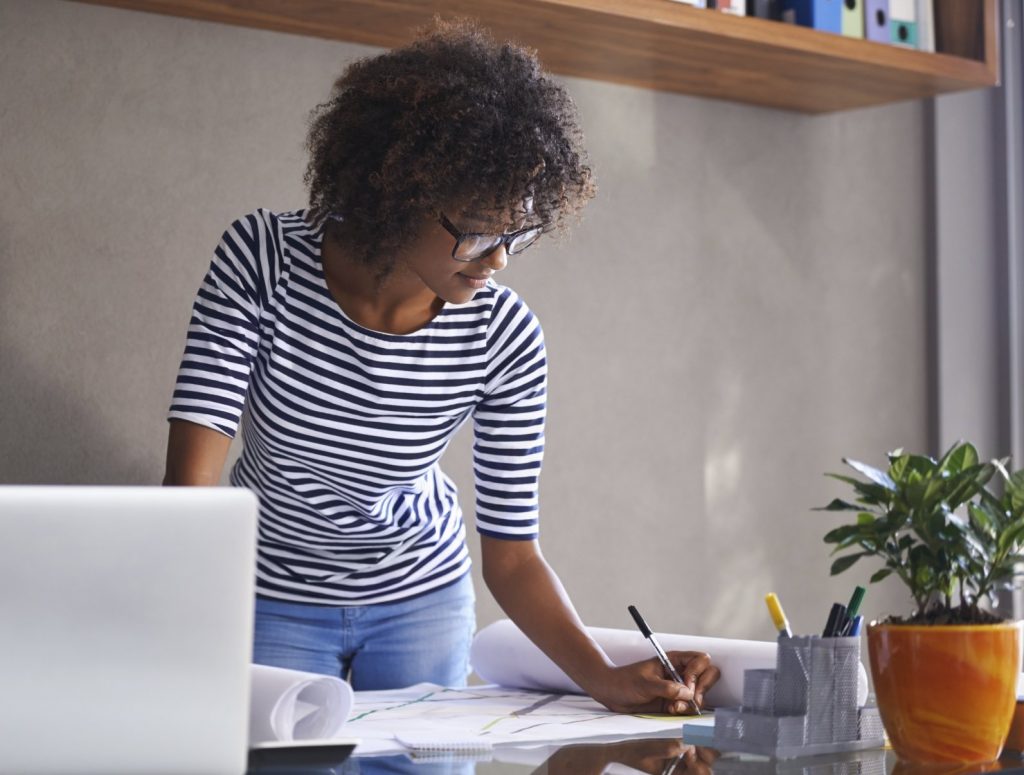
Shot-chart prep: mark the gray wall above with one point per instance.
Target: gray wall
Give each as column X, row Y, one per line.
column 978, row 166
column 971, row 308
column 744, row 304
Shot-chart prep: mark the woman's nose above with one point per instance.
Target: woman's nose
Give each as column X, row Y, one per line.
column 497, row 259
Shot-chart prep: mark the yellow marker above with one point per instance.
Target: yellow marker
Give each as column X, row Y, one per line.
column 779, row 618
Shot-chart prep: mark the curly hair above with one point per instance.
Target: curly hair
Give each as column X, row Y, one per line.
column 454, row 119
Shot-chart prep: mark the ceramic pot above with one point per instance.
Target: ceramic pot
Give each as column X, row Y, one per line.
column 946, row 693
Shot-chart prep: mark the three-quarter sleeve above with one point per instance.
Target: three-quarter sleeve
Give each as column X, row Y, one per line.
column 509, row 425
column 223, row 333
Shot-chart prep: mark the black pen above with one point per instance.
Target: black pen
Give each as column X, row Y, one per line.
column 836, row 618
column 662, row 656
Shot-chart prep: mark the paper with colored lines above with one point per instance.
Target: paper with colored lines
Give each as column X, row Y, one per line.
column 480, row 717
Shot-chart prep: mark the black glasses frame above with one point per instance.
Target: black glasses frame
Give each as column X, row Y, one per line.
column 503, row 239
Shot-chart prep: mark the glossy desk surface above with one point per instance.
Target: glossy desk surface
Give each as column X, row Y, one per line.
column 657, row 756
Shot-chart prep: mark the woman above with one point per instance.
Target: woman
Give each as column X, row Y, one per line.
column 361, row 333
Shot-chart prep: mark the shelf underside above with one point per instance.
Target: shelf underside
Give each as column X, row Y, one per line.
column 655, row 44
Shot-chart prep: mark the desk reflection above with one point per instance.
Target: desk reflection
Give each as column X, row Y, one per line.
column 653, row 756
column 658, row 756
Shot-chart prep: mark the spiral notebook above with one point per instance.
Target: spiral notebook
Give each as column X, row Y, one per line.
column 433, row 746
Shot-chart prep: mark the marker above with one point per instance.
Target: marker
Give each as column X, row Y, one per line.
column 835, row 619
column 662, row 656
column 778, row 617
column 855, row 625
column 851, row 610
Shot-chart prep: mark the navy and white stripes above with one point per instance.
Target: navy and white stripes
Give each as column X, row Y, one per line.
column 345, row 426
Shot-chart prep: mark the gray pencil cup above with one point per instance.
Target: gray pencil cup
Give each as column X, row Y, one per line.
column 807, row 705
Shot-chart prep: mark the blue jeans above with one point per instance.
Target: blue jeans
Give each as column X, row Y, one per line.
column 381, row 646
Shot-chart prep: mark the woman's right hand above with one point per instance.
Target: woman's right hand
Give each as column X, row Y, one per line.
column 642, row 687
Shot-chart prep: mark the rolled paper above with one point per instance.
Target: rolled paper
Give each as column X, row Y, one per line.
column 503, row 655
column 291, row 705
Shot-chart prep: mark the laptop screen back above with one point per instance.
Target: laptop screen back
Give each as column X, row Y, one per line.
column 125, row 628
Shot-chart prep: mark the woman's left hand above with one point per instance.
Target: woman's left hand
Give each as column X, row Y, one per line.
column 643, row 688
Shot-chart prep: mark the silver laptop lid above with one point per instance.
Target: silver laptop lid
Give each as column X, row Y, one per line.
column 125, row 628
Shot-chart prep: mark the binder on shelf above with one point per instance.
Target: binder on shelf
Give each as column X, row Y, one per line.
column 735, row 7
column 853, row 18
column 925, row 25
column 824, row 15
column 765, row 9
column 903, row 22
column 876, row 20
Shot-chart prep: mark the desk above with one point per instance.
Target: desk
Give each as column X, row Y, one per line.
column 658, row 756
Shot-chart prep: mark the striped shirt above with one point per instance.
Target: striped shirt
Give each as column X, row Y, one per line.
column 345, row 426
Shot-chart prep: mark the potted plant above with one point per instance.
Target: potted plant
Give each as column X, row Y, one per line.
column 945, row 676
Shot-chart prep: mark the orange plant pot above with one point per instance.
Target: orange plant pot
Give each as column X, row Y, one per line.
column 946, row 693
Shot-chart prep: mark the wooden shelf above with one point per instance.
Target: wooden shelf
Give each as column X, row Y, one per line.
column 656, row 44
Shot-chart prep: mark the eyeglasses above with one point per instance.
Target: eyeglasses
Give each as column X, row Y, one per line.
column 470, row 246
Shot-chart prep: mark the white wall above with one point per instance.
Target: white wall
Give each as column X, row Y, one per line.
column 743, row 305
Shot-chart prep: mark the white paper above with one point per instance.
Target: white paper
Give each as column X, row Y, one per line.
column 503, row 655
column 291, row 705
column 477, row 716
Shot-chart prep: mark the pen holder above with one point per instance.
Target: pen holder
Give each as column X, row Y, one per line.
column 807, row 705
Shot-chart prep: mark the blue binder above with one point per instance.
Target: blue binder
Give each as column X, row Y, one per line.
column 876, row 20
column 826, row 15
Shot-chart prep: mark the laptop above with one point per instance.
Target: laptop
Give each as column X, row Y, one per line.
column 125, row 628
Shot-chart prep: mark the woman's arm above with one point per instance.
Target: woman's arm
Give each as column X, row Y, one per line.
column 195, row 454
column 528, row 590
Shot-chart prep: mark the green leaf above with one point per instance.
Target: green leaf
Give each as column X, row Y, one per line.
column 992, row 501
column 840, row 533
column 846, row 562
column 1001, row 572
column 871, row 494
column 1015, row 492
column 854, row 540
column 959, row 494
column 980, row 550
column 878, row 575
column 840, row 505
column 960, row 456
column 873, row 474
column 936, row 523
column 1011, row 538
column 922, row 465
column 922, row 554
column 982, row 519
column 933, row 492
column 897, row 465
column 924, row 580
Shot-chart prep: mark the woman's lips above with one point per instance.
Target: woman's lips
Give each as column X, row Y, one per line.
column 474, row 282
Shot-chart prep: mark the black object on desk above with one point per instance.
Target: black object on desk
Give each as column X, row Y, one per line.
column 299, row 759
